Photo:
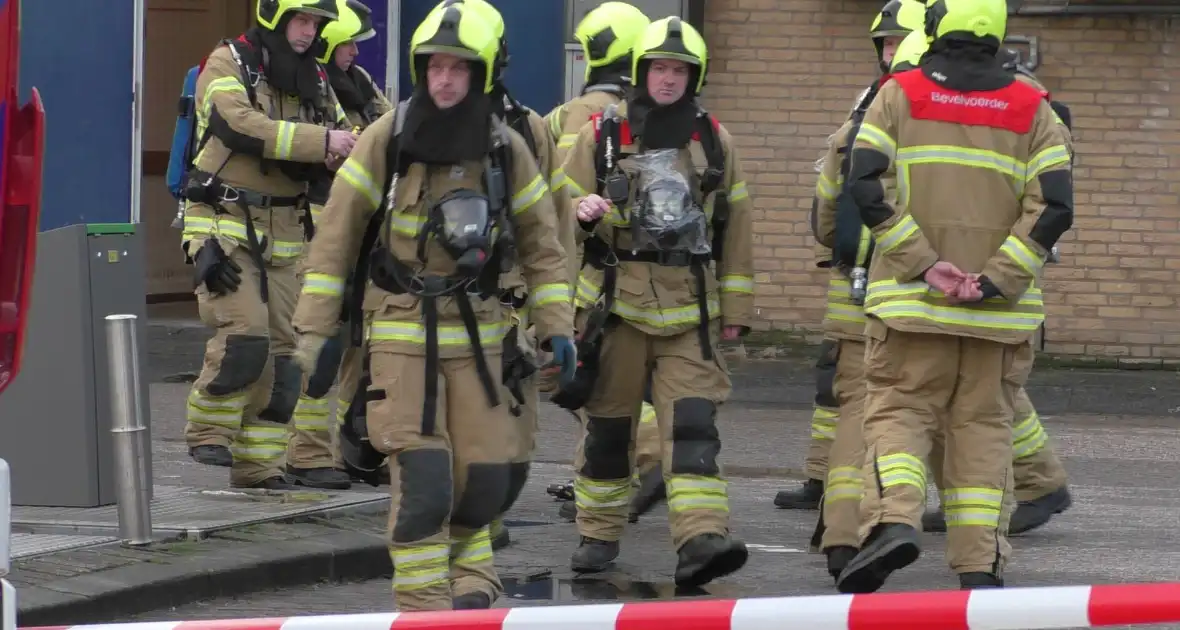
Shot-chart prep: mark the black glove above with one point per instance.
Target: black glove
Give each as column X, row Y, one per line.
column 215, row 269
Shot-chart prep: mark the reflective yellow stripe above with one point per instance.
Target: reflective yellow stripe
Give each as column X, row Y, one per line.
column 1028, row 437
column 323, row 284
column 312, row 414
column 528, row 196
column 904, row 229
column 737, row 284
column 557, row 292
column 862, row 248
column 360, row 179
column 738, row 191
column 260, row 444
column 648, row 414
column 873, row 135
column 587, row 295
column 696, row 492
column 413, row 332
column 978, row 507
column 840, row 305
column 823, row 423
column 597, row 495
column 284, row 140
column 287, row 249
column 825, row 188
column 554, row 120
column 963, row 156
column 889, row 299
column 1022, row 255
column 406, row 224
column 235, row 229
column 566, row 141
column 476, row 549
column 421, row 566
column 1047, row 158
column 901, row 469
column 566, row 180
column 844, row 484
column 225, row 412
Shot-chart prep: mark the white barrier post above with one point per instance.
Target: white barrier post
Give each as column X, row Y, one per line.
column 7, row 593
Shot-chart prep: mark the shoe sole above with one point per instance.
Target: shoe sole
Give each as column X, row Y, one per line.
column 500, row 542
column 940, row 528
column 587, row 568
column 1042, row 519
column 869, row 575
column 721, row 565
column 790, row 504
column 321, row 485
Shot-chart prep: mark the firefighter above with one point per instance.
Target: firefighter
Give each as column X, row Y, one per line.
column 1040, row 480
column 838, row 226
column 844, row 320
column 520, row 352
column 650, row 299
column 265, row 103
column 952, row 297
column 311, row 459
column 607, row 35
column 451, row 197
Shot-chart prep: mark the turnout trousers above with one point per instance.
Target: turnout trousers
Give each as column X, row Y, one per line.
column 249, row 383
column 845, row 485
column 686, row 391
column 450, row 478
column 917, row 385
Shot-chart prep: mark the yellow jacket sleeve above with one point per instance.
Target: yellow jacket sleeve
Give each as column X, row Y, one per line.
column 735, row 270
column 244, row 129
column 900, row 244
column 566, row 222
column 1047, row 206
column 356, row 195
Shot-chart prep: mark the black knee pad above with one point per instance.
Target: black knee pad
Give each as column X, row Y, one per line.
column 426, row 494
column 485, row 495
column 284, row 394
column 825, row 374
column 326, row 367
column 518, row 475
column 695, row 440
column 242, row 365
column 608, row 441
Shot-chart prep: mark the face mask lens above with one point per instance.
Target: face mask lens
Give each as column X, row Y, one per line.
column 464, row 217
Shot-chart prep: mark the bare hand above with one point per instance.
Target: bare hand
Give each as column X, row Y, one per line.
column 729, row 333
column 592, row 207
column 945, row 277
column 969, row 290
column 340, row 142
column 334, row 161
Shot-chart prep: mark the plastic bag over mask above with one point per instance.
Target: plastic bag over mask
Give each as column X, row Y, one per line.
column 665, row 217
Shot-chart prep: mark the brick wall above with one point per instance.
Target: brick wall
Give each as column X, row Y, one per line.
column 785, row 75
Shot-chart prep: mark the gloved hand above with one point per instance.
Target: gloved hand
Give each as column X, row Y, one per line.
column 213, row 268
column 565, row 356
column 307, row 351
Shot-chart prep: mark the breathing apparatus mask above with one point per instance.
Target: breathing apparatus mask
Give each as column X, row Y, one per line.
column 666, row 218
column 464, row 223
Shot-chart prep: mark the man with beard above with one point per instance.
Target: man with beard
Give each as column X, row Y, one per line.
column 983, row 194
column 666, row 215
column 462, row 202
column 311, row 459
column 265, row 106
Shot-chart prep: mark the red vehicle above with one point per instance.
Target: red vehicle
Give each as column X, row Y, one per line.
column 22, row 145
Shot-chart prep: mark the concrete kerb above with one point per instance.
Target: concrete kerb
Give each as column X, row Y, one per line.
column 210, row 572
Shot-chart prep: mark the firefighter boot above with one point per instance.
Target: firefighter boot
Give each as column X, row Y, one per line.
column 706, row 557
column 322, row 478
column 471, row 601
column 568, row 511
column 500, row 537
column 1030, row 515
column 561, row 491
column 651, row 491
column 807, row 497
column 977, row 580
column 278, row 482
column 594, row 555
column 934, row 521
column 890, row 547
column 838, row 558
column 211, row 455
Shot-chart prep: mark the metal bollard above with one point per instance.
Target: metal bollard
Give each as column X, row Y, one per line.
column 135, row 515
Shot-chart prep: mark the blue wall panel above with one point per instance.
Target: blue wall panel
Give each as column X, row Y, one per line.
column 536, row 33
column 374, row 53
column 88, row 99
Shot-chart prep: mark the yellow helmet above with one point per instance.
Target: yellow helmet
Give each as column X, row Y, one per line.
column 898, row 18
column 491, row 15
column 909, row 52
column 972, row 19
column 609, row 33
column 271, row 12
column 355, row 24
column 672, row 38
column 455, row 30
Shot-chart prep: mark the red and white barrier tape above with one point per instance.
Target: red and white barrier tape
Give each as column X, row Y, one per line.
column 998, row 609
